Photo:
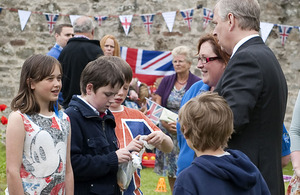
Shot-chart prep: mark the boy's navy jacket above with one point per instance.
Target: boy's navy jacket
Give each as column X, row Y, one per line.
column 93, row 146
column 231, row 174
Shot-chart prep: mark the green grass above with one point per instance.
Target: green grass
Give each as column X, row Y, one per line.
column 149, row 179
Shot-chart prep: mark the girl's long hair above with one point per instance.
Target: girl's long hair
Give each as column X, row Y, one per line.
column 35, row 69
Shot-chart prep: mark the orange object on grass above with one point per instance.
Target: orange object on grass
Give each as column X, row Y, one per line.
column 161, row 185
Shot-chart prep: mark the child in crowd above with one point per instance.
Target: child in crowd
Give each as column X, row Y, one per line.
column 131, row 123
column 207, row 124
column 94, row 149
column 38, row 133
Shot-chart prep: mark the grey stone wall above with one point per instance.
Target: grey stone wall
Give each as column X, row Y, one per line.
column 17, row 45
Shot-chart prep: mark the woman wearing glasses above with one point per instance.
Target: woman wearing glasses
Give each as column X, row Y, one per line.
column 212, row 62
column 169, row 95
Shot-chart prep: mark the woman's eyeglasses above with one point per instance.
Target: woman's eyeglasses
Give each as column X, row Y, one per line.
column 205, row 60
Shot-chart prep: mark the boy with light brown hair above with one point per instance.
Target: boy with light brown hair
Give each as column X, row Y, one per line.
column 207, row 124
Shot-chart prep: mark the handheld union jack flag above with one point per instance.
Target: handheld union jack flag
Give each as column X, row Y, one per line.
column 148, row 21
column 51, row 18
column 188, row 16
column 100, row 19
column 148, row 65
column 284, row 32
column 208, row 16
column 154, row 111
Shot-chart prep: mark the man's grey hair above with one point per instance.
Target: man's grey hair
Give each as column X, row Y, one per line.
column 246, row 11
column 83, row 24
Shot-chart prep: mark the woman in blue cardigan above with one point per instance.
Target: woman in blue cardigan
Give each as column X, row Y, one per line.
column 169, row 95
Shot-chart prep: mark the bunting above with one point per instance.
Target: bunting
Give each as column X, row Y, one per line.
column 51, row 19
column 148, row 21
column 265, row 29
column 73, row 18
column 208, row 15
column 169, row 18
column 126, row 22
column 23, row 16
column 100, row 19
column 188, row 16
column 284, row 31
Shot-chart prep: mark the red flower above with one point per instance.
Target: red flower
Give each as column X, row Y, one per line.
column 3, row 120
column 2, row 107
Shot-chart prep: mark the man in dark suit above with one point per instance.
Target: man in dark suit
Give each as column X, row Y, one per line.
column 254, row 86
column 80, row 50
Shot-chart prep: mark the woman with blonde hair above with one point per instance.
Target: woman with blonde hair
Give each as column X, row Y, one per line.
column 110, row 45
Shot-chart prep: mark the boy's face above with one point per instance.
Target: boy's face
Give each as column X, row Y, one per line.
column 103, row 97
column 121, row 96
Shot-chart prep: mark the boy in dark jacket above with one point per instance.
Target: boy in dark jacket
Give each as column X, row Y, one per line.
column 94, row 147
column 207, row 124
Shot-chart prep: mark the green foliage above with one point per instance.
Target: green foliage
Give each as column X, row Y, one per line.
column 2, row 168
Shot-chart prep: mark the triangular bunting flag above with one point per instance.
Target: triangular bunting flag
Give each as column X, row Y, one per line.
column 99, row 19
column 208, row 15
column 126, row 22
column 51, row 19
column 169, row 19
column 265, row 29
column 187, row 16
column 148, row 21
column 284, row 31
column 23, row 16
column 73, row 18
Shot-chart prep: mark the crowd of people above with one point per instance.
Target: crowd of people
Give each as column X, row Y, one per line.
column 70, row 128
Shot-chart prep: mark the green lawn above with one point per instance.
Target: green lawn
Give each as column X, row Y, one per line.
column 149, row 179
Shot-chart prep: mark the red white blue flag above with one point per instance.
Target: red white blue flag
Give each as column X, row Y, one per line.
column 284, row 31
column 148, row 65
column 148, row 21
column 208, row 15
column 100, row 19
column 51, row 19
column 154, row 111
column 187, row 16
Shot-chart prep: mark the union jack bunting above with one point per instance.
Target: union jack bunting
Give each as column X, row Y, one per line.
column 51, row 18
column 207, row 16
column 148, row 21
column 100, row 19
column 284, row 31
column 188, row 16
column 126, row 22
column 154, row 111
column 147, row 65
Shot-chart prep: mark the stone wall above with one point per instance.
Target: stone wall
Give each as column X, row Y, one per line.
column 17, row 45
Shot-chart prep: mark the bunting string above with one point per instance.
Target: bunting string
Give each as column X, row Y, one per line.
column 147, row 19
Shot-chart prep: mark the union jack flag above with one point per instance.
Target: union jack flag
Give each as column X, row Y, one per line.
column 284, row 32
column 100, row 19
column 132, row 128
column 148, row 65
column 208, row 16
column 154, row 111
column 148, row 21
column 188, row 16
column 51, row 18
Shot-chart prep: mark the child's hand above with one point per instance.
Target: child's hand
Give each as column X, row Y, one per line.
column 123, row 155
column 171, row 127
column 135, row 144
column 155, row 138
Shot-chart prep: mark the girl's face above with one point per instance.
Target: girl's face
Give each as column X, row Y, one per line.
column 47, row 89
column 109, row 47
